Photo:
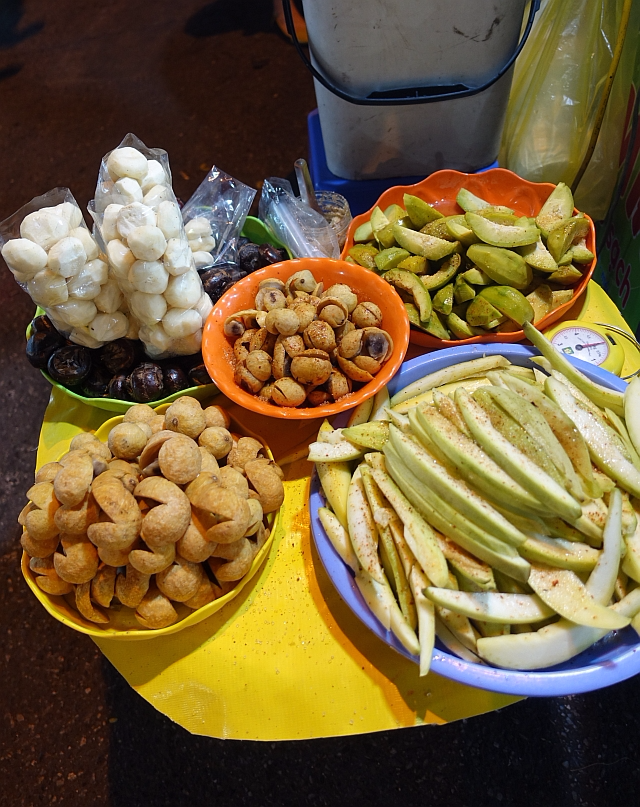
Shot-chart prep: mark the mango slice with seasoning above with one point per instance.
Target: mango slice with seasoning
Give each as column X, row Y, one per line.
column 503, row 266
column 430, row 247
column 503, row 235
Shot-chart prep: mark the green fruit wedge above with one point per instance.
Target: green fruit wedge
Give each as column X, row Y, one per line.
column 363, row 233
column 458, row 229
column 430, row 247
column 364, row 254
column 414, row 263
column 471, row 203
column 419, row 211
column 481, row 314
column 539, row 257
column 407, row 281
column 559, row 206
column 565, row 233
column 503, row 266
column 389, row 258
column 502, row 235
column 443, row 300
column 444, row 275
column 510, row 302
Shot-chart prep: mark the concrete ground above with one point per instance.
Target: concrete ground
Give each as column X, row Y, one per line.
column 210, row 83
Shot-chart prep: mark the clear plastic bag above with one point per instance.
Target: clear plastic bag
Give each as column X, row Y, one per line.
column 214, row 217
column 140, row 224
column 305, row 232
column 55, row 259
column 557, row 86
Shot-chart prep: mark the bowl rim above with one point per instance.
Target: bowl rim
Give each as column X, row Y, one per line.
column 564, row 679
column 190, row 618
column 429, row 341
column 225, row 383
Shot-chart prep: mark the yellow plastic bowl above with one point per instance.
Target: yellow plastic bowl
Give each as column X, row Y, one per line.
column 123, row 624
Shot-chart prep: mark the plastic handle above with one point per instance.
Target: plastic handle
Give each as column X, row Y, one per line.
column 410, row 95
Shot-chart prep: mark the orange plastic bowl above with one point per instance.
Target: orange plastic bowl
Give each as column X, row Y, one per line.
column 500, row 187
column 217, row 349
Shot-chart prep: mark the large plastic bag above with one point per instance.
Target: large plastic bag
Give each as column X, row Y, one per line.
column 557, row 86
column 54, row 258
column 140, row 224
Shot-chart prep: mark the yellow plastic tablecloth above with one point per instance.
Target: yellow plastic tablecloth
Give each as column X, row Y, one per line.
column 287, row 659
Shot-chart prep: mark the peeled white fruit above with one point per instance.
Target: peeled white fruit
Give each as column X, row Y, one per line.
column 127, row 162
column 197, row 227
column 109, row 299
column 82, row 336
column 76, row 312
column 202, row 259
column 70, row 212
column 149, row 276
column 84, row 285
column 107, row 327
column 187, row 345
column 184, row 291
column 120, row 256
column 48, row 289
column 148, row 308
column 128, row 190
column 44, row 227
column 22, row 255
column 88, row 242
column 179, row 322
column 147, row 243
column 134, row 215
column 204, row 306
column 157, row 194
column 156, row 337
column 169, row 219
column 67, row 257
column 203, row 244
column 155, row 176
column 109, row 222
column 177, row 256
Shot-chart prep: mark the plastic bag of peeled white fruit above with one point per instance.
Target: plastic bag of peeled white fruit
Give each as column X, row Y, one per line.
column 55, row 259
column 139, row 222
column 214, row 217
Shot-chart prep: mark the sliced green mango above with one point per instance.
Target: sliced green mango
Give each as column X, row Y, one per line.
column 444, row 274
column 439, row 229
column 363, row 233
column 385, row 237
column 462, row 291
column 481, row 313
column 565, row 233
column 510, row 302
column 460, row 328
column 502, row 235
column 419, row 211
column 407, row 281
column 364, row 255
column 458, row 229
column 378, row 220
column 566, row 275
column 443, row 300
column 435, row 326
column 368, row 435
column 430, row 247
column 499, row 216
column 414, row 263
column 394, row 213
column 538, row 257
column 559, row 206
column 469, row 202
column 476, row 277
column 389, row 258
column 503, row 266
column 541, row 300
column 580, row 253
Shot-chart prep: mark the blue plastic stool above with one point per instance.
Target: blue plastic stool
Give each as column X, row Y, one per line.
column 361, row 194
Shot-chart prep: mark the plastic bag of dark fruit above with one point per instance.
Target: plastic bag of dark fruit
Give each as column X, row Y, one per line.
column 117, row 373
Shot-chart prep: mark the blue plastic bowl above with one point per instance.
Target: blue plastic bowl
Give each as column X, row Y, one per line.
column 614, row 658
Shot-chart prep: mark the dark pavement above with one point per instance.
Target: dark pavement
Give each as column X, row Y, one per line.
column 211, row 83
